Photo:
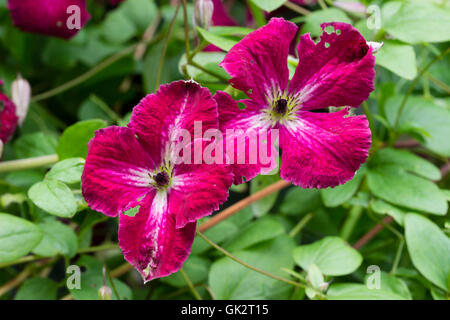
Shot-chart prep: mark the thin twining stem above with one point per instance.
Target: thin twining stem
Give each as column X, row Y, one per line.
column 85, row 76
column 166, row 43
column 190, row 285
column 296, row 8
column 32, row 258
column 30, row 163
column 238, row 206
column 243, row 263
column 189, row 55
column 138, row 49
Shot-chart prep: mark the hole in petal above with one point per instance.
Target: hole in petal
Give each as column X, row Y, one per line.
column 327, row 45
column 329, row 29
column 338, row 32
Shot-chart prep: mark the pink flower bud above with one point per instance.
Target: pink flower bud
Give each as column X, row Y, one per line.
column 350, row 6
column 21, row 94
column 105, row 293
column 203, row 12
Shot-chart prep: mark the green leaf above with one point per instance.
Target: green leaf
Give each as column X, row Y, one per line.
column 429, row 249
column 332, row 255
column 210, row 61
column 424, row 114
column 74, row 140
column 395, row 185
column 67, row 171
column 261, row 230
column 195, row 267
column 416, row 21
column 298, row 201
column 316, row 18
column 54, row 197
column 58, row 239
column 35, row 145
column 263, row 206
column 37, row 289
column 230, row 31
column 395, row 285
column 230, row 280
column 17, row 237
column 356, row 291
column 117, row 28
column 382, row 207
column 315, row 276
column 219, row 41
column 398, row 58
column 268, row 5
column 408, row 161
column 333, row 197
column 140, row 12
column 219, row 233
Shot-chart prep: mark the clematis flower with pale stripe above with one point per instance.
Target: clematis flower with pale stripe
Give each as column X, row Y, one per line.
column 134, row 168
column 318, row 150
column 58, row 18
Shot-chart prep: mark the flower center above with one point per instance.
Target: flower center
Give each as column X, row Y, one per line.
column 281, row 107
column 161, row 179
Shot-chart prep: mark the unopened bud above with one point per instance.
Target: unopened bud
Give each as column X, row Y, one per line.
column 351, row 6
column 21, row 94
column 376, row 46
column 105, row 293
column 203, row 12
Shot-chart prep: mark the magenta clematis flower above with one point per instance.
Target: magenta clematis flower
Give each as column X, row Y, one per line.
column 8, row 117
column 318, row 149
column 59, row 18
column 135, row 167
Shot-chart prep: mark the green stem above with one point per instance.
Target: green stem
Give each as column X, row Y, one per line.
column 398, row 256
column 33, row 258
column 92, row 72
column 190, row 285
column 105, row 108
column 102, row 247
column 218, row 76
column 30, row 163
column 166, row 43
column 414, row 83
column 186, row 29
column 257, row 13
column 297, row 8
column 112, row 282
column 302, row 223
column 189, row 55
column 351, row 221
column 236, row 259
column 322, row 4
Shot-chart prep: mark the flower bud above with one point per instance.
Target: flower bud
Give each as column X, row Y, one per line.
column 376, row 46
column 203, row 12
column 351, row 6
column 105, row 293
column 21, row 94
